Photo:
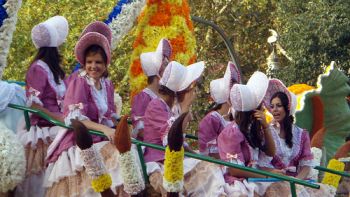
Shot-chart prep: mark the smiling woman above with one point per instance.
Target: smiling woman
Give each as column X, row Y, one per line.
column 95, row 63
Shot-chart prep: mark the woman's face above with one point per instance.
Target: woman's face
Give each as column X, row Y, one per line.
column 277, row 109
column 95, row 66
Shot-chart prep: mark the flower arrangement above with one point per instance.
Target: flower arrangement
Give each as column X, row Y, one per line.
column 122, row 18
column 92, row 160
column 174, row 155
column 173, row 170
column 333, row 179
column 162, row 19
column 12, row 160
column 8, row 20
column 96, row 170
column 133, row 182
column 101, row 183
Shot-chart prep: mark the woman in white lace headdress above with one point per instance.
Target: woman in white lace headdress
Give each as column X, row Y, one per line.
column 45, row 90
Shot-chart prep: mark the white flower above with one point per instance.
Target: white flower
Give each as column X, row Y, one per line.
column 133, row 182
column 122, row 24
column 12, row 160
column 7, row 29
column 317, row 153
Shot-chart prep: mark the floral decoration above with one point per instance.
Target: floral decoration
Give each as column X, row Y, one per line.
column 173, row 170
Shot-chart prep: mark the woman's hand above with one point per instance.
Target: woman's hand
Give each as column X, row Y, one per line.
column 260, row 115
column 188, row 99
column 109, row 132
column 278, row 171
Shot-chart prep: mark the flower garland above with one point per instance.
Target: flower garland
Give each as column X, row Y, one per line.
column 96, row 170
column 133, row 182
column 101, row 183
column 8, row 20
column 333, row 179
column 12, row 160
column 162, row 19
column 173, row 170
column 123, row 17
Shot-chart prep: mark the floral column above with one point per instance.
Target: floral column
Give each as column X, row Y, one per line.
column 162, row 19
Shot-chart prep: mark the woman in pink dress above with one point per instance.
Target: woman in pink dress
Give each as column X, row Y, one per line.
column 219, row 117
column 45, row 90
column 153, row 65
column 201, row 178
column 89, row 98
column 293, row 152
column 247, row 140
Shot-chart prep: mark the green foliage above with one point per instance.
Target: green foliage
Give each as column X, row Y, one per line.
column 78, row 13
column 246, row 24
column 313, row 33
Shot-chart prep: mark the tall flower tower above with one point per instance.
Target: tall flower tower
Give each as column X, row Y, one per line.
column 162, row 19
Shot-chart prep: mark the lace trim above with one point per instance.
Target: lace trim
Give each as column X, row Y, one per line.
column 150, row 93
column 165, row 136
column 140, row 125
column 308, row 162
column 223, row 122
column 93, row 163
column 133, row 182
column 100, row 99
column 75, row 113
column 212, row 146
column 33, row 97
column 265, row 161
column 283, row 149
column 234, row 159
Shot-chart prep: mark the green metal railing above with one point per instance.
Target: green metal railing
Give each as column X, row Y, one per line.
column 139, row 144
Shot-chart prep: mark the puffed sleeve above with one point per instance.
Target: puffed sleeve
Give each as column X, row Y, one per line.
column 138, row 108
column 230, row 145
column 75, row 105
column 209, row 129
column 160, row 119
column 110, row 94
column 306, row 157
column 35, row 86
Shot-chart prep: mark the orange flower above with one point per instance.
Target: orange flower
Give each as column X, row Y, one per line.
column 136, row 68
column 193, row 59
column 139, row 41
column 178, row 45
column 160, row 19
column 149, row 2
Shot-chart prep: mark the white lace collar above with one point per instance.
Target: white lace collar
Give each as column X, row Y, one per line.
column 223, row 122
column 99, row 96
column 283, row 151
column 150, row 93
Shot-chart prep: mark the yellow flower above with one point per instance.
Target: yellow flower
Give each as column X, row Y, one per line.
column 333, row 179
column 173, row 165
column 101, row 183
